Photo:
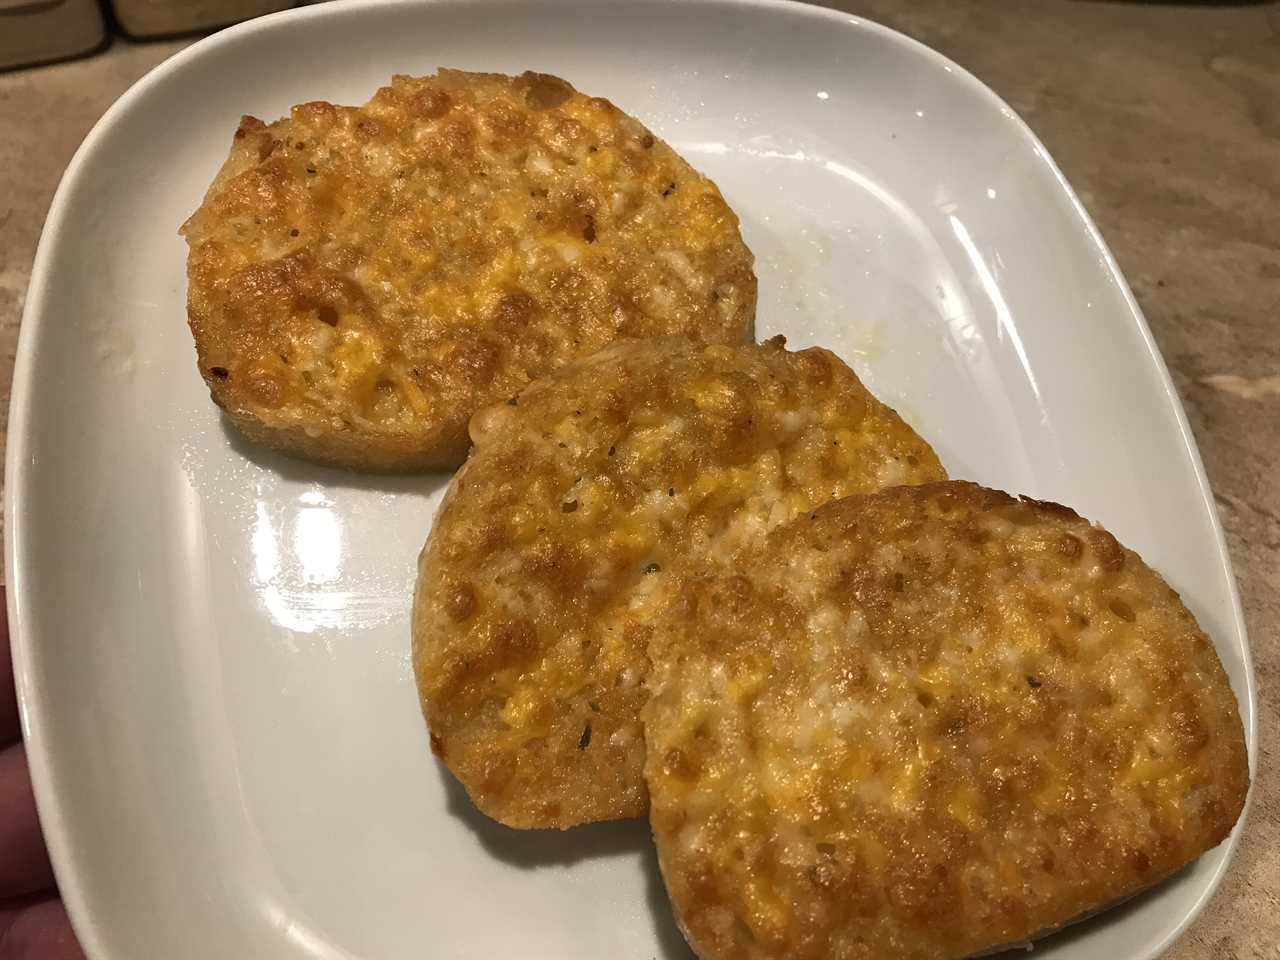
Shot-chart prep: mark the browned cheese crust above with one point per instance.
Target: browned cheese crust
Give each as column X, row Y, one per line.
column 576, row 505
column 362, row 279
column 927, row 722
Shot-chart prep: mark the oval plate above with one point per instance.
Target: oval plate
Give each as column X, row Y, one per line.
column 211, row 642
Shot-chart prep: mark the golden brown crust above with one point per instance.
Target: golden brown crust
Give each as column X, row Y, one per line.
column 928, row 722
column 362, row 279
column 576, row 505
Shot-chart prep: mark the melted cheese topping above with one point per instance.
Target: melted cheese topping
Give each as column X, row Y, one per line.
column 578, row 504
column 926, row 723
column 373, row 275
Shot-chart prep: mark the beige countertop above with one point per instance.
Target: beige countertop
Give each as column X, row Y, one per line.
column 1166, row 119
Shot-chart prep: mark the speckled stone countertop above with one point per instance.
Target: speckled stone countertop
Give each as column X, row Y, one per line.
column 1166, row 119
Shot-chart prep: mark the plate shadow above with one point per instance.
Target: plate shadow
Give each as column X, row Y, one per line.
column 303, row 471
column 533, row 849
column 1083, row 926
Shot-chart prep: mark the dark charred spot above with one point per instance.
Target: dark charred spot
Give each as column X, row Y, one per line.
column 585, row 740
column 514, row 309
column 497, row 769
column 327, row 314
column 1048, row 507
column 220, row 372
column 1122, row 610
column 545, row 92
column 669, row 189
column 460, row 602
column 515, row 636
column 1070, row 547
column 1108, row 550
column 1034, row 684
column 647, row 141
column 550, row 810
column 430, row 104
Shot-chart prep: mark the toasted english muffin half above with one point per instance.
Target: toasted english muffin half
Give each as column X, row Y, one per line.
column 579, row 501
column 362, row 279
column 925, row 723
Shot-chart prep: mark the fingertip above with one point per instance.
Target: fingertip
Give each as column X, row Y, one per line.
column 38, row 931
column 24, row 863
column 10, row 727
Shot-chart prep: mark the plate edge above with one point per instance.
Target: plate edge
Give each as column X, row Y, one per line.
column 18, row 431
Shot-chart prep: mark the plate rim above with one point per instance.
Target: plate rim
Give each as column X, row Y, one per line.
column 19, row 468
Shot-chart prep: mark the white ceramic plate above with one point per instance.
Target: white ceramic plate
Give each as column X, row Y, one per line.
column 211, row 642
